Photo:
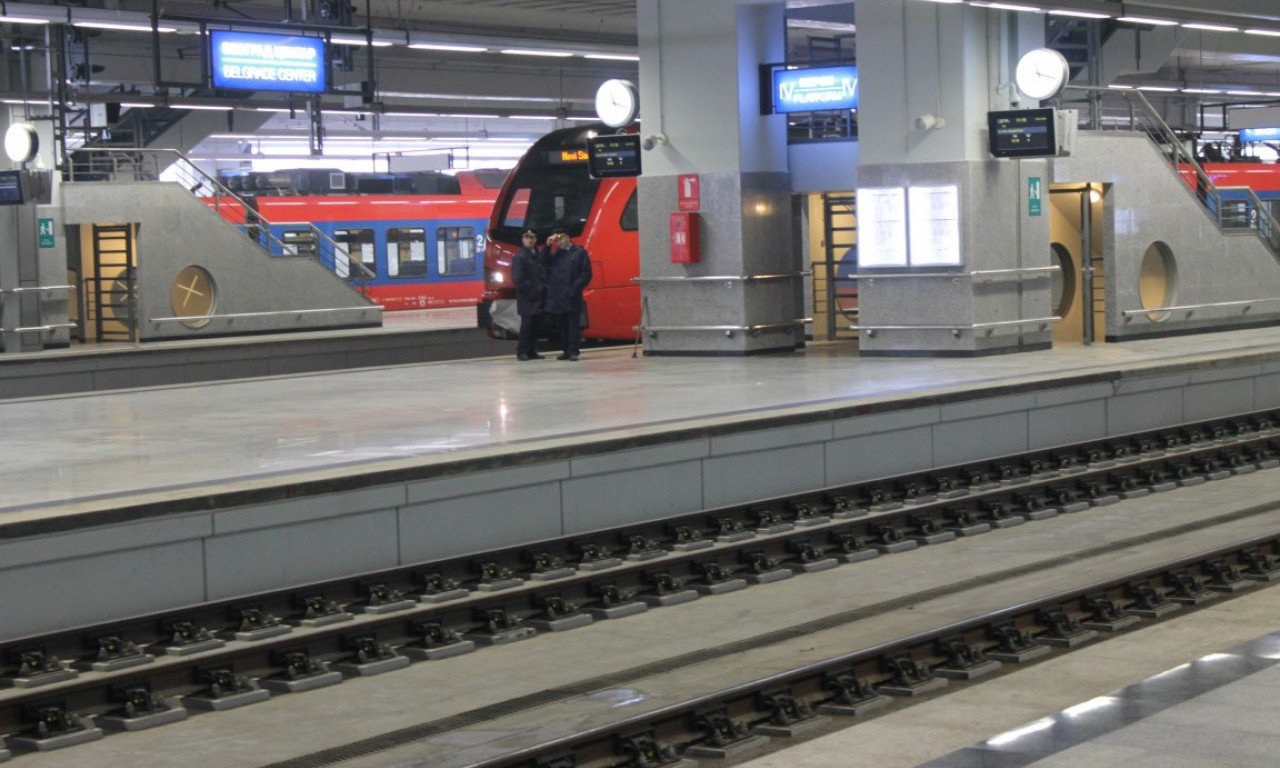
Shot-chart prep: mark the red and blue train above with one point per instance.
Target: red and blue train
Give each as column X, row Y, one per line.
column 420, row 234
column 550, row 189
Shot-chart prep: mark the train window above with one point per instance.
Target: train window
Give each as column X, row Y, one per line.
column 407, row 252
column 630, row 221
column 360, row 244
column 456, row 251
column 543, row 198
column 517, row 208
column 298, row 242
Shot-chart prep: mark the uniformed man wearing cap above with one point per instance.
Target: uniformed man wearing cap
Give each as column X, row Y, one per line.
column 529, row 272
column 568, row 274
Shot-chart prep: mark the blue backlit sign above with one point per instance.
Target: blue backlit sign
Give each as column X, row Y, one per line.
column 258, row 62
column 811, row 90
column 1260, row 134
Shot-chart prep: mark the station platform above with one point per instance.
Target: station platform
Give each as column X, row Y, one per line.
column 412, row 336
column 237, row 487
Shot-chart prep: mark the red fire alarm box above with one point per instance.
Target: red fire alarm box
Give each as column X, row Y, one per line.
column 684, row 238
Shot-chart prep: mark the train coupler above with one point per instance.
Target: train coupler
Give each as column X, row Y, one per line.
column 139, row 709
column 722, row 737
column 641, row 749
column 925, row 530
column 252, row 624
column 114, row 652
column 186, row 638
column 497, row 627
column 1148, row 602
column 224, row 690
column 557, row 615
column 544, row 566
column 686, row 539
column 889, row 539
column 851, row 548
column 380, row 599
column 1061, row 631
column 1012, row 644
column 788, row 716
column 595, row 557
column 1103, row 614
column 494, row 577
column 613, row 603
column 438, row 588
column 665, row 589
column 320, row 611
column 762, row 569
column 715, row 579
column 368, row 657
column 435, row 641
column 807, row 557
column 35, row 667
column 851, row 695
column 54, row 728
column 298, row 672
column 961, row 661
column 906, row 677
column 1186, row 589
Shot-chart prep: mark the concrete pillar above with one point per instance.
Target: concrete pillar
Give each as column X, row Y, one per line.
column 700, row 100
column 929, row 73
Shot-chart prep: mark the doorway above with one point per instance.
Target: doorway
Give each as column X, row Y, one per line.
column 1076, row 248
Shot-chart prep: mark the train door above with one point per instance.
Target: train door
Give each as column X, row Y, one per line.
column 109, row 269
column 1079, row 285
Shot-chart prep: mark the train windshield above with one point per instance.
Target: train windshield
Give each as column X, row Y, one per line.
column 546, row 197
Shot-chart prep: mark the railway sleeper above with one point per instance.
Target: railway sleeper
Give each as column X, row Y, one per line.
column 722, row 737
column 1148, row 601
column 641, row 749
column 787, row 715
column 138, row 709
column 851, row 695
column 52, row 727
column 298, row 672
column 961, row 659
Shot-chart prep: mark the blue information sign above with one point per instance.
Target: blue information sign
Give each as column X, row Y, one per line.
column 815, row 89
column 1260, row 134
column 258, row 62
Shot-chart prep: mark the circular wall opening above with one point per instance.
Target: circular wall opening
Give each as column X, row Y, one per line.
column 193, row 295
column 1158, row 279
column 1064, row 279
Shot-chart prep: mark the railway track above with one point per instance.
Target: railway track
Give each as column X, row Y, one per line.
column 73, row 686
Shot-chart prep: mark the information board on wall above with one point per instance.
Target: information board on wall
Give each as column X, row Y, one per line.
column 882, row 227
column 610, row 157
column 935, row 226
column 1022, row 133
column 815, row 89
column 261, row 62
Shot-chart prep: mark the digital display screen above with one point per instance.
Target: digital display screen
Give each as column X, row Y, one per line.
column 1022, row 133
column 258, row 62
column 815, row 89
column 610, row 157
column 11, row 188
column 1260, row 134
column 563, row 156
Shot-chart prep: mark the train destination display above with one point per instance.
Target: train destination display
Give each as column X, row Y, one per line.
column 260, row 62
column 1022, row 133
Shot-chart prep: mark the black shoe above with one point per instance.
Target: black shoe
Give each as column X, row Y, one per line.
column 522, row 356
column 536, row 356
column 565, row 357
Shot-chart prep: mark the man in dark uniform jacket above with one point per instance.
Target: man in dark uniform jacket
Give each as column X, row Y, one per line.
column 529, row 272
column 568, row 273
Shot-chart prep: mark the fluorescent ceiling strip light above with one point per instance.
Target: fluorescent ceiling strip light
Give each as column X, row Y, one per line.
column 1265, row 32
column 1209, row 27
column 455, row 114
column 611, row 56
column 1121, row 87
column 209, row 107
column 947, row 2
column 138, row 104
column 1202, row 90
column 533, row 52
column 22, row 20
column 1009, row 7
column 1148, row 20
column 358, row 41
column 1079, row 14
column 120, row 26
column 1160, row 88
column 448, row 47
column 1244, row 93
column 532, row 117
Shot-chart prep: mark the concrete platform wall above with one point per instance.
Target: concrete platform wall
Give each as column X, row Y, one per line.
column 187, row 549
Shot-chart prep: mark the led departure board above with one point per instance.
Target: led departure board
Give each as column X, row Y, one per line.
column 611, row 157
column 1022, row 133
column 260, row 62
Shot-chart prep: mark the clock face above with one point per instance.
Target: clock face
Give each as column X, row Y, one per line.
column 617, row 103
column 21, row 142
column 1042, row 73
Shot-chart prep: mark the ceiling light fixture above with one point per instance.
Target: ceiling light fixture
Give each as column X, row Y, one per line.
column 1078, row 14
column 536, row 52
column 1147, row 20
column 1209, row 27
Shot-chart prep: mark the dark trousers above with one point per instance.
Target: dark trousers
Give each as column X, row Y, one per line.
column 528, row 340
column 569, row 324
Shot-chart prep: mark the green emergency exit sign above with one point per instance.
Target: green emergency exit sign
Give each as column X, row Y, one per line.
column 46, row 233
column 1033, row 195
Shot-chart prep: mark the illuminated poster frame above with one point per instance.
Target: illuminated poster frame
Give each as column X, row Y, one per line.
column 815, row 89
column 254, row 61
column 882, row 227
column 935, row 226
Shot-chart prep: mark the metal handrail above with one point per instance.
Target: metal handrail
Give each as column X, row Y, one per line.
column 753, row 329
column 957, row 329
column 51, row 327
column 1188, row 307
column 974, row 273
column 721, row 278
column 228, row 204
column 235, row 315
column 38, row 288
